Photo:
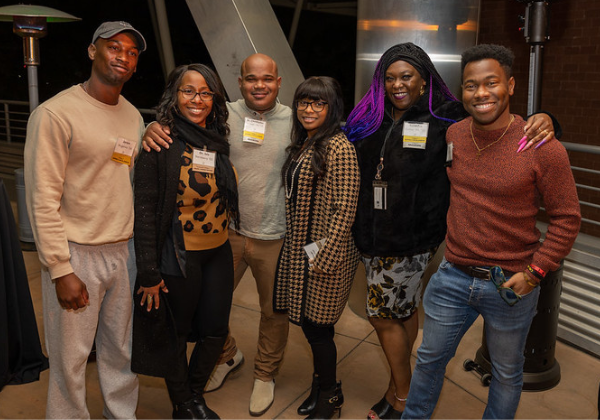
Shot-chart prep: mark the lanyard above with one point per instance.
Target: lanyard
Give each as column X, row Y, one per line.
column 381, row 153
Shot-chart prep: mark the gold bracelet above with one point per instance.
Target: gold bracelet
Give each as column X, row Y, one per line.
column 528, row 280
column 531, row 284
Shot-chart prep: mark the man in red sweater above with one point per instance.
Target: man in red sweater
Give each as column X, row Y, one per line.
column 496, row 193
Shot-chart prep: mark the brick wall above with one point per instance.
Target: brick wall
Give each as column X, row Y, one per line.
column 570, row 81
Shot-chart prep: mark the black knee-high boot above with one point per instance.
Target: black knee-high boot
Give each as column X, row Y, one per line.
column 202, row 362
column 177, row 382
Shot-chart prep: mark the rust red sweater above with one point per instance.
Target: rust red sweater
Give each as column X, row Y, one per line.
column 495, row 198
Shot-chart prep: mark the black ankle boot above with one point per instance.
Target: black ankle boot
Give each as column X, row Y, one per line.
column 328, row 403
column 185, row 410
column 310, row 402
column 202, row 409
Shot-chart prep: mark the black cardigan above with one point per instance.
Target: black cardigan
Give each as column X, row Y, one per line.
column 156, row 182
column 154, row 350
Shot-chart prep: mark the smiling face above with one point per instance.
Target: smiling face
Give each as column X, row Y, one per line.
column 194, row 109
column 259, row 83
column 402, row 86
column 114, row 59
column 311, row 120
column 486, row 91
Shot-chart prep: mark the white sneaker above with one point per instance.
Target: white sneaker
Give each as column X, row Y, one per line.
column 262, row 397
column 221, row 372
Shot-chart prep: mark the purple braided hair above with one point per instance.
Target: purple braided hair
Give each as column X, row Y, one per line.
column 367, row 115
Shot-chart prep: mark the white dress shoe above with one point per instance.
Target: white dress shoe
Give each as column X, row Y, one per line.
column 221, row 372
column 262, row 397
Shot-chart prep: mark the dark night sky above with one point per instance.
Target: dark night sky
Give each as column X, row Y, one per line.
column 325, row 45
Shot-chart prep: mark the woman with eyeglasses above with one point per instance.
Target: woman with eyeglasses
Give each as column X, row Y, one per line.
column 184, row 199
column 318, row 259
column 399, row 129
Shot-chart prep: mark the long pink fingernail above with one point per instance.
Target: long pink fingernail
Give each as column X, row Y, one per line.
column 540, row 143
column 520, row 147
column 523, row 140
column 528, row 145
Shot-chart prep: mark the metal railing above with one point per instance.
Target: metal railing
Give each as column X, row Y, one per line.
column 585, row 148
column 13, row 125
column 13, row 121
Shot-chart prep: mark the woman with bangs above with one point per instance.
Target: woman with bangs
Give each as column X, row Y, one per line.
column 318, row 260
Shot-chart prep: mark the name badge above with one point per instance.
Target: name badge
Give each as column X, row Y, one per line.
column 313, row 248
column 449, row 152
column 414, row 134
column 204, row 161
column 380, row 195
column 254, row 131
column 123, row 151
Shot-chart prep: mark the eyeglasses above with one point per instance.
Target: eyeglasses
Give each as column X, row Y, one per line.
column 316, row 106
column 190, row 94
column 506, row 293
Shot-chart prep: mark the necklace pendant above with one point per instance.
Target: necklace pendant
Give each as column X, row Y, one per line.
column 478, row 154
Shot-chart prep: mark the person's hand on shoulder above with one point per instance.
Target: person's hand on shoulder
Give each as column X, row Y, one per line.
column 538, row 130
column 156, row 136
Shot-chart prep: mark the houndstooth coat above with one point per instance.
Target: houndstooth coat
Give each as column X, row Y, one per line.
column 324, row 208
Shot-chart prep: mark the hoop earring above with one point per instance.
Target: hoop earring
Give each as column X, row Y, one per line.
column 422, row 91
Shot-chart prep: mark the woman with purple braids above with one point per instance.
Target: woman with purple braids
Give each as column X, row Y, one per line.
column 399, row 129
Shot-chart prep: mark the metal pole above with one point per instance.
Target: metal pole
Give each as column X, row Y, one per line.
column 536, row 34
column 32, row 84
column 295, row 20
column 165, row 36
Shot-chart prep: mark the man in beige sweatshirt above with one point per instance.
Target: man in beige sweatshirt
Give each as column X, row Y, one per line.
column 79, row 154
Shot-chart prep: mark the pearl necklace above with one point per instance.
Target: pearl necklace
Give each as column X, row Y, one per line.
column 288, row 193
column 479, row 150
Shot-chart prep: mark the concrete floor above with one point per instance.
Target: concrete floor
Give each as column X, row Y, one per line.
column 361, row 368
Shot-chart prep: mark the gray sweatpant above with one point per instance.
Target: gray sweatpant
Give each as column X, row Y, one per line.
column 108, row 272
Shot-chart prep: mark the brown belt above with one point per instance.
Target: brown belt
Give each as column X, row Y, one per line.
column 479, row 272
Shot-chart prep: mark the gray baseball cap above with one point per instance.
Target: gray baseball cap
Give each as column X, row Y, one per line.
column 110, row 29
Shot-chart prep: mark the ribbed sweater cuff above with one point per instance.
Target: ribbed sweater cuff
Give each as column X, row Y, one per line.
column 60, row 269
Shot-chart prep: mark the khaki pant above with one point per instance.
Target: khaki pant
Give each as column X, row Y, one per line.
column 261, row 256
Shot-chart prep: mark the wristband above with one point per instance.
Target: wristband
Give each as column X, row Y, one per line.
column 536, row 271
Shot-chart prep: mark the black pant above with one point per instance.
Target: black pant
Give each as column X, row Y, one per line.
column 324, row 352
column 201, row 303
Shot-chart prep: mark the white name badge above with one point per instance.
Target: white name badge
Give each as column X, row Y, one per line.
column 204, row 161
column 254, row 131
column 449, row 152
column 313, row 248
column 379, row 195
column 414, row 134
column 123, row 151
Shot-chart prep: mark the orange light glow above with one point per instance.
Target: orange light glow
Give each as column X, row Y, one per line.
column 412, row 25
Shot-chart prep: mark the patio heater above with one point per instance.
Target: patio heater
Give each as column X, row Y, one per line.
column 30, row 22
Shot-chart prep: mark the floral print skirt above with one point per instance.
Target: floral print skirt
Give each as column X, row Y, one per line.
column 394, row 284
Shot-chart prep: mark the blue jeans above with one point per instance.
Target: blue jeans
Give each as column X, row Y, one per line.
column 452, row 302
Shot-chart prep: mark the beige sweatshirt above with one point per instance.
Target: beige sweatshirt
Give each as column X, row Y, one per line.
column 75, row 191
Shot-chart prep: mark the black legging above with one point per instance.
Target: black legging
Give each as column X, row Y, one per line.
column 324, row 352
column 201, row 303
